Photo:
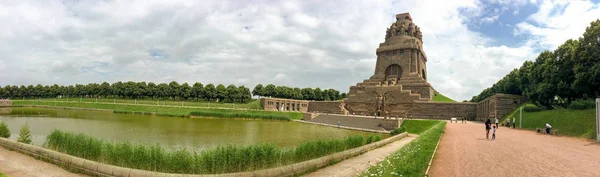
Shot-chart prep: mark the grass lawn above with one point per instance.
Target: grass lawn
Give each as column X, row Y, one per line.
column 194, row 103
column 575, row 123
column 3, row 175
column 441, row 98
column 418, row 126
column 159, row 110
column 413, row 158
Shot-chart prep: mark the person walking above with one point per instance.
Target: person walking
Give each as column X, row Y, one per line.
column 496, row 122
column 548, row 128
column 508, row 122
column 488, row 126
column 514, row 122
column 494, row 133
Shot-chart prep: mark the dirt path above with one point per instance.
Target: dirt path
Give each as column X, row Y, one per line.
column 358, row 164
column 15, row 164
column 464, row 151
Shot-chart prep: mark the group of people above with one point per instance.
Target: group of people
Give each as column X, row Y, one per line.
column 489, row 126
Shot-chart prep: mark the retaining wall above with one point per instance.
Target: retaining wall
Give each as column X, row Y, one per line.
column 101, row 169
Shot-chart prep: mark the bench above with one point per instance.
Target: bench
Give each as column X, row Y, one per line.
column 543, row 130
column 453, row 119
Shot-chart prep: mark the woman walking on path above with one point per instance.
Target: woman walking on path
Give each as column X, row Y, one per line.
column 496, row 122
column 488, row 126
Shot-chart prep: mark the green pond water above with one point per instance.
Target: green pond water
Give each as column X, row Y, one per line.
column 169, row 132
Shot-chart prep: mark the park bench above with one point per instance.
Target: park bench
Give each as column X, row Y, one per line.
column 453, row 119
column 543, row 130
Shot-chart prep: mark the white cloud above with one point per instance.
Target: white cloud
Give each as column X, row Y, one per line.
column 327, row 44
column 550, row 27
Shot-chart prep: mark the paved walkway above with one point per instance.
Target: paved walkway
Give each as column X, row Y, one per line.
column 15, row 164
column 355, row 165
column 464, row 151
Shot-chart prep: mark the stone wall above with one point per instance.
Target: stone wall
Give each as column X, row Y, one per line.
column 331, row 107
column 279, row 104
column 498, row 105
column 442, row 110
column 5, row 103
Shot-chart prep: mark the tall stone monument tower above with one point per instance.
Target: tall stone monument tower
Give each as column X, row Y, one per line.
column 400, row 77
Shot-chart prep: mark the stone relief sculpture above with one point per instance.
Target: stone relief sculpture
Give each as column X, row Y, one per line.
column 388, row 34
column 411, row 29
column 394, row 29
column 403, row 29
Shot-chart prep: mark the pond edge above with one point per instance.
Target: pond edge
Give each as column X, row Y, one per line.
column 101, row 169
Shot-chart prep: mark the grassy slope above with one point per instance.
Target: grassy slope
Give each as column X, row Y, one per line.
column 173, row 111
column 441, row 98
column 412, row 159
column 576, row 123
column 418, row 126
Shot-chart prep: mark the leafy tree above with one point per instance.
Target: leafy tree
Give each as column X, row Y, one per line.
column 210, row 92
column 221, row 93
column 258, row 90
column 198, row 90
column 269, row 90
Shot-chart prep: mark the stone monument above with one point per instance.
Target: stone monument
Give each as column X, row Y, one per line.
column 400, row 76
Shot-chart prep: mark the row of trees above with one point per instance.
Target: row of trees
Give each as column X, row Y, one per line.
column 137, row 90
column 558, row 77
column 297, row 93
column 172, row 90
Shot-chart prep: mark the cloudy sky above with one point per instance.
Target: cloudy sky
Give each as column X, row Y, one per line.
column 470, row 44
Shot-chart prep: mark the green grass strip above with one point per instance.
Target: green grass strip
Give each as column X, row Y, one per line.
column 170, row 111
column 222, row 159
column 413, row 158
column 418, row 126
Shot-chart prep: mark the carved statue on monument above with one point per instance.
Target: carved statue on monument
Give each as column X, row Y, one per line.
column 419, row 34
column 394, row 29
column 388, row 34
column 411, row 29
column 403, row 29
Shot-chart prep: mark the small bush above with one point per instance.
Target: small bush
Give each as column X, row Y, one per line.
column 4, row 131
column 377, row 138
column 397, row 131
column 531, row 108
column 24, row 134
column 582, row 104
column 369, row 139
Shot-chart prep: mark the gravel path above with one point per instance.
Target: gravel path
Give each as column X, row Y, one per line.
column 15, row 164
column 355, row 165
column 464, row 151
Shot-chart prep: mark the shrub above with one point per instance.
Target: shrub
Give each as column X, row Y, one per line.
column 397, row 131
column 369, row 139
column 582, row 104
column 4, row 131
column 24, row 134
column 531, row 108
column 377, row 138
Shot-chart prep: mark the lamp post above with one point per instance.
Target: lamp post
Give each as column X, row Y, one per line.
column 521, row 118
